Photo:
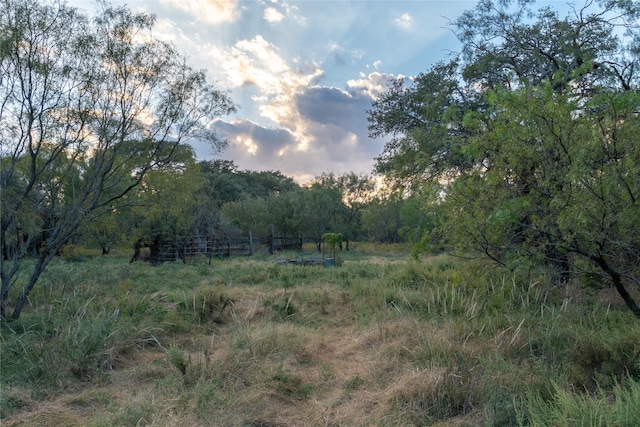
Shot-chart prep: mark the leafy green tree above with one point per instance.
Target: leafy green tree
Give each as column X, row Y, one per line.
column 356, row 191
column 425, row 122
column 529, row 138
column 108, row 230
column 87, row 109
column 381, row 220
column 166, row 206
column 225, row 183
column 253, row 201
column 561, row 184
column 284, row 213
column 267, row 183
column 318, row 209
column 249, row 214
column 421, row 215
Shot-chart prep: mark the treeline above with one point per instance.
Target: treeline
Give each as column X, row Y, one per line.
column 214, row 198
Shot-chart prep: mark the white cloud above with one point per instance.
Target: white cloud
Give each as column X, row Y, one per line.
column 211, row 11
column 342, row 55
column 372, row 84
column 257, row 62
column 271, row 15
column 404, row 21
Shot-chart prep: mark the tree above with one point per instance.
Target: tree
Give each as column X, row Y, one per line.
column 425, row 121
column 87, row 109
column 562, row 183
column 352, row 192
column 421, row 214
column 529, row 139
column 381, row 219
column 317, row 209
column 107, row 230
column 166, row 206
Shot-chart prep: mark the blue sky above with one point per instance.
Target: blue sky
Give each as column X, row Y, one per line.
column 303, row 73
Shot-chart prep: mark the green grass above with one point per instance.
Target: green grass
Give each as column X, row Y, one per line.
column 383, row 339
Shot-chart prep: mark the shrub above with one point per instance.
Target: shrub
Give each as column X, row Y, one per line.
column 205, row 306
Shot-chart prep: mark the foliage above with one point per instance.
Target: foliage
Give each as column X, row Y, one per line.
column 89, row 108
column 332, row 241
column 329, row 202
column 166, row 207
column 382, row 218
column 524, row 142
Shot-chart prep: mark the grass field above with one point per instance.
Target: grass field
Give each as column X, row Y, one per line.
column 381, row 340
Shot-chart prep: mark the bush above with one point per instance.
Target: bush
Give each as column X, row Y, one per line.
column 205, row 306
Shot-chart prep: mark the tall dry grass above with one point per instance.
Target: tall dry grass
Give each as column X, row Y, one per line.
column 381, row 340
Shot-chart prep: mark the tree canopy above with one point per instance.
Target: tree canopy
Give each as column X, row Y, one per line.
column 526, row 139
column 88, row 107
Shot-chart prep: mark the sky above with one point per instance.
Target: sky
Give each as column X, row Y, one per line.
column 302, row 73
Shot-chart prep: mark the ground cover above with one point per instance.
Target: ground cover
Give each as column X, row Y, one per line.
column 383, row 339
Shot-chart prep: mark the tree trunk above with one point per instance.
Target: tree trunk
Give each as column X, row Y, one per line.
column 136, row 251
column 616, row 278
column 628, row 299
column 42, row 263
column 8, row 278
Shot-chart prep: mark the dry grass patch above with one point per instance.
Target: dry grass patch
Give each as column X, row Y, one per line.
column 50, row 414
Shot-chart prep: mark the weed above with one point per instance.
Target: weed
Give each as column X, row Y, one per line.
column 602, row 359
column 205, row 306
column 134, row 414
column 290, row 384
column 178, row 360
column 353, row 384
column 284, row 306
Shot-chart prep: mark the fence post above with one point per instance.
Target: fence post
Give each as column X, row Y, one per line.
column 250, row 244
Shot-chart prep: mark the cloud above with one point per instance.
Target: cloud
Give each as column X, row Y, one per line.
column 249, row 138
column 255, row 147
column 302, row 102
column 326, row 132
column 258, row 63
column 298, row 126
column 330, row 105
column 278, row 11
column 372, row 84
column 271, row 15
column 404, row 21
column 211, row 11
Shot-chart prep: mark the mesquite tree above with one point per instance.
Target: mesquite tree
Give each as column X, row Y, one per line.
column 528, row 138
column 87, row 108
